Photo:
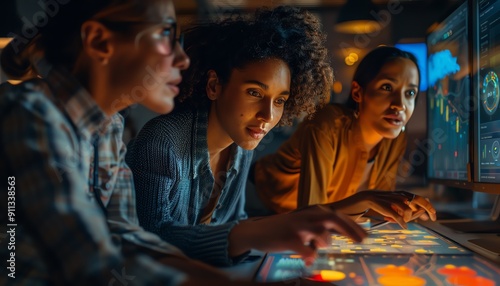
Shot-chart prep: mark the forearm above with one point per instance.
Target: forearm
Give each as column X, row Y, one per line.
column 239, row 240
column 353, row 206
column 208, row 243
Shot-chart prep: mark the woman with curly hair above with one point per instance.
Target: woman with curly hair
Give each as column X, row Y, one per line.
column 190, row 167
column 343, row 151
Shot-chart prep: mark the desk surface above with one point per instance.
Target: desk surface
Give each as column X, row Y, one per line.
column 247, row 269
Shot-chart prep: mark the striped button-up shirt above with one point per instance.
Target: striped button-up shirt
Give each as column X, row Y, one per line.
column 175, row 185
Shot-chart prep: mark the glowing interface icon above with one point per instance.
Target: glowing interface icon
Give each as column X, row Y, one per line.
column 495, row 150
column 490, row 95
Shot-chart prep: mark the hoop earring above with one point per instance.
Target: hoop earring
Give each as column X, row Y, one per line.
column 356, row 112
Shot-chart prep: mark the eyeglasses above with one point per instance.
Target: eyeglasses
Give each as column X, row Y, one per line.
column 167, row 35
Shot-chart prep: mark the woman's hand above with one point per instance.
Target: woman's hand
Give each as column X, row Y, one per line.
column 301, row 231
column 397, row 206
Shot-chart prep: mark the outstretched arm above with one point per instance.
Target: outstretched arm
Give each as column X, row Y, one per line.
column 300, row 231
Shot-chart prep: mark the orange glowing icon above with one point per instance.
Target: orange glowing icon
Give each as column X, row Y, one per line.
column 327, row 276
column 401, row 280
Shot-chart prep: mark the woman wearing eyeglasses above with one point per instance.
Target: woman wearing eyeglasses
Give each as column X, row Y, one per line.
column 91, row 59
column 190, row 167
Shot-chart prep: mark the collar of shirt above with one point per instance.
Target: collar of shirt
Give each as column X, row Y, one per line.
column 355, row 138
column 78, row 104
column 200, row 151
column 354, row 134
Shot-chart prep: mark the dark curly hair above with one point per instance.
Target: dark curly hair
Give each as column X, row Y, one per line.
column 286, row 33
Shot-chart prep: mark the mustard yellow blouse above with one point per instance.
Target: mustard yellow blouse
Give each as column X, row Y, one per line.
column 324, row 161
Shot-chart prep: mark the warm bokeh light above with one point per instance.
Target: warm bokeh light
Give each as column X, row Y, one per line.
column 4, row 42
column 337, row 87
column 351, row 59
column 354, row 57
column 358, row 27
column 348, row 61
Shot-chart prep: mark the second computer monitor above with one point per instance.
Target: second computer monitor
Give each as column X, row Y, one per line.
column 448, row 97
column 486, row 55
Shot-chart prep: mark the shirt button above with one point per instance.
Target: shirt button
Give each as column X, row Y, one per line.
column 107, row 186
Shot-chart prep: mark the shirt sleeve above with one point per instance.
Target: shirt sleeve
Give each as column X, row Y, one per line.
column 51, row 198
column 394, row 168
column 318, row 156
column 165, row 210
column 43, row 155
column 121, row 203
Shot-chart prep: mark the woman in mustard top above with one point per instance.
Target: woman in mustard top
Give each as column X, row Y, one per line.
column 342, row 151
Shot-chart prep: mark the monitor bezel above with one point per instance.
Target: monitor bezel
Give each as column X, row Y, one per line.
column 468, row 183
column 486, row 187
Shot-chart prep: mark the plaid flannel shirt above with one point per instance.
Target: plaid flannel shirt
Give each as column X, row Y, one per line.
column 46, row 131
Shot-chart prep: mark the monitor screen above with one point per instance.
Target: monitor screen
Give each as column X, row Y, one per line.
column 486, row 55
column 448, row 96
column 419, row 50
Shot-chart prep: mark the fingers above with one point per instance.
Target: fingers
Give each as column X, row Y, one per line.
column 328, row 219
column 307, row 251
column 324, row 239
column 397, row 214
column 404, row 204
column 342, row 224
column 424, row 216
column 426, row 205
column 317, row 235
column 403, row 210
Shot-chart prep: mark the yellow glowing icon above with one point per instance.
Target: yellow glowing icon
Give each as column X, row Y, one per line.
column 332, row 275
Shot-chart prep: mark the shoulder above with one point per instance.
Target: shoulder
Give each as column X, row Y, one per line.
column 331, row 117
column 31, row 98
column 397, row 144
column 32, row 122
column 170, row 132
column 400, row 141
column 169, row 125
column 33, row 94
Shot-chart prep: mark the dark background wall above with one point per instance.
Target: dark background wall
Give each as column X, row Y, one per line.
column 402, row 21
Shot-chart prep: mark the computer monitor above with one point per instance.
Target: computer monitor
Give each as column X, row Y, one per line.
column 486, row 63
column 485, row 126
column 485, row 91
column 448, row 100
column 419, row 50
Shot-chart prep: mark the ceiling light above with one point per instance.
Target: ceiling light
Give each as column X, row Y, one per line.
column 356, row 17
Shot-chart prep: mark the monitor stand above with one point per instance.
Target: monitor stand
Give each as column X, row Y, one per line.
column 490, row 244
column 479, row 226
column 486, row 236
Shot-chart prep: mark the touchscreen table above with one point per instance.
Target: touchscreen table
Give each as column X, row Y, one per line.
column 383, row 269
column 388, row 256
column 393, row 239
